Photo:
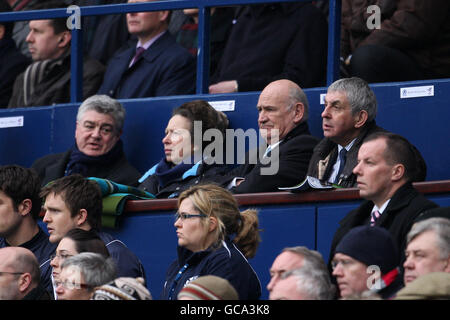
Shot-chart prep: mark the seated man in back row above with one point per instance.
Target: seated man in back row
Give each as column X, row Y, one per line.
column 47, row 80
column 282, row 121
column 98, row 150
column 154, row 66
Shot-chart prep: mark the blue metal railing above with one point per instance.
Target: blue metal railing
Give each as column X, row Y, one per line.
column 203, row 33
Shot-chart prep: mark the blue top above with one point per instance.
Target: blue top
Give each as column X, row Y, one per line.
column 226, row 262
column 180, row 178
column 128, row 264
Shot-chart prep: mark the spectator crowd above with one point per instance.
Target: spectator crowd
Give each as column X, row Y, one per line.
column 394, row 245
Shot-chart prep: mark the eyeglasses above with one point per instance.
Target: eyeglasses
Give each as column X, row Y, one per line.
column 183, row 216
column 60, row 256
column 69, row 285
column 6, row 272
column 344, row 262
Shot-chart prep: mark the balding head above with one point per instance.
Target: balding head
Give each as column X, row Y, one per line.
column 282, row 105
column 19, row 273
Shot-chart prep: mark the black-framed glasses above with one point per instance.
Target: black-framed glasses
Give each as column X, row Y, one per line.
column 7, row 272
column 183, row 216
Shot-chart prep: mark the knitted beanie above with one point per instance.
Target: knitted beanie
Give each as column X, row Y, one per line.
column 122, row 289
column 371, row 246
column 209, row 288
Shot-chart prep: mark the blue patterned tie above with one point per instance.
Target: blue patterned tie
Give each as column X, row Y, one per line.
column 342, row 158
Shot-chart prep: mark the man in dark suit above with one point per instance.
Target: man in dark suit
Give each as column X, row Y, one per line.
column 155, row 66
column 347, row 119
column 270, row 41
column 282, row 121
column 387, row 165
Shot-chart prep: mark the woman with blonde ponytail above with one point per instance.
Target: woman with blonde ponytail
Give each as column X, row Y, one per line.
column 214, row 238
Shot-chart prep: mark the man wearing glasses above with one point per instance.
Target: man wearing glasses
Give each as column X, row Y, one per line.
column 81, row 273
column 98, row 149
column 20, row 276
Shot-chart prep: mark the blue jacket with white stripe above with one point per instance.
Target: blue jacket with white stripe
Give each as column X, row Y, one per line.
column 197, row 174
column 226, row 262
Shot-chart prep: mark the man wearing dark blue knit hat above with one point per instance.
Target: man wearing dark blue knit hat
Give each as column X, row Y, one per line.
column 367, row 258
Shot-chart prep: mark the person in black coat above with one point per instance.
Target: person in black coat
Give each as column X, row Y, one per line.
column 98, row 150
column 282, row 120
column 12, row 61
column 387, row 166
column 185, row 162
column 367, row 259
column 273, row 41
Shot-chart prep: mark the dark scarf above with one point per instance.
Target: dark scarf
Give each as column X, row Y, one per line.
column 166, row 173
column 37, row 71
column 83, row 164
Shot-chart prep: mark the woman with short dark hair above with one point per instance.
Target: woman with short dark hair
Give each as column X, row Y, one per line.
column 185, row 162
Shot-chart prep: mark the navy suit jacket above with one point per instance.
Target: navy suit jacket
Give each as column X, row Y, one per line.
column 164, row 69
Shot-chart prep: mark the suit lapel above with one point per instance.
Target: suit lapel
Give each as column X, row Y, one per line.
column 156, row 49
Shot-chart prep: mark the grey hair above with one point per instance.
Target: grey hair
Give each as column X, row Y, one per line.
column 95, row 268
column 313, row 278
column 311, row 259
column 359, row 95
column 296, row 95
column 315, row 284
column 440, row 226
column 106, row 105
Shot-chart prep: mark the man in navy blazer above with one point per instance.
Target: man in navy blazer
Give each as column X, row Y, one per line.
column 164, row 68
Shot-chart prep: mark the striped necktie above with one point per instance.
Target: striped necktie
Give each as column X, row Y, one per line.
column 342, row 159
column 373, row 217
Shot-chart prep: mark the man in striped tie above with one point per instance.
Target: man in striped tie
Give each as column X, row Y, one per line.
column 387, row 164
